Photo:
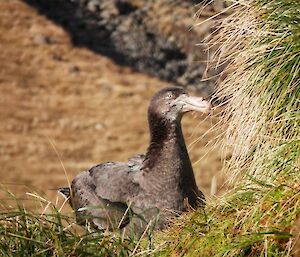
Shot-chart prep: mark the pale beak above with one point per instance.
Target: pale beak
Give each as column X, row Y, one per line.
column 192, row 103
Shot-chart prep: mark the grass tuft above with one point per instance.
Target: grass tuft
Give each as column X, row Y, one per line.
column 260, row 43
column 51, row 233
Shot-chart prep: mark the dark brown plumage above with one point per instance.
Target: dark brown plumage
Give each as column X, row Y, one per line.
column 113, row 194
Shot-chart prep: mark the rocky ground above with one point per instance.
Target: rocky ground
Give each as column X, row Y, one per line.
column 156, row 37
column 66, row 106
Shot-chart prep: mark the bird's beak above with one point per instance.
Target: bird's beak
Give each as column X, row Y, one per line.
column 192, row 103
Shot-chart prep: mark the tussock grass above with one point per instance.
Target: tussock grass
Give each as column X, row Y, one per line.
column 49, row 232
column 260, row 43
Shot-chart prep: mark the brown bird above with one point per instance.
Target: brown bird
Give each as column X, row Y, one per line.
column 148, row 188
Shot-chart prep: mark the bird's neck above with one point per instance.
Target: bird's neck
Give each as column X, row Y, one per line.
column 167, row 161
column 165, row 143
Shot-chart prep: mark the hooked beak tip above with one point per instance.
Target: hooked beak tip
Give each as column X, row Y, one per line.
column 197, row 104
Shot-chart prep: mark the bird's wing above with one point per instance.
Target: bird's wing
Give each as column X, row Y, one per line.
column 103, row 193
column 115, row 180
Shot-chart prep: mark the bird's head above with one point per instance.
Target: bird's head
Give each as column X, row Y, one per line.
column 172, row 102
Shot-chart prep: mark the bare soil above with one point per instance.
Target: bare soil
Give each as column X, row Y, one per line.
column 62, row 105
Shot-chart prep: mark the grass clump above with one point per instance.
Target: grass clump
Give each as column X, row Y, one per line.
column 52, row 233
column 260, row 42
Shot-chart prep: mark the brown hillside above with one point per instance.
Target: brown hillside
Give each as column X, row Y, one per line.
column 90, row 109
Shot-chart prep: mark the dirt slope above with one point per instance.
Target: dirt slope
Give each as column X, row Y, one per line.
column 89, row 108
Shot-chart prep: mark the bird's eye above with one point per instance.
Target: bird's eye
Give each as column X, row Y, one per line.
column 169, row 96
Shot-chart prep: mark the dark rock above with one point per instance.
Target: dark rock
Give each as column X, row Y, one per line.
column 155, row 37
column 125, row 7
column 93, row 6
